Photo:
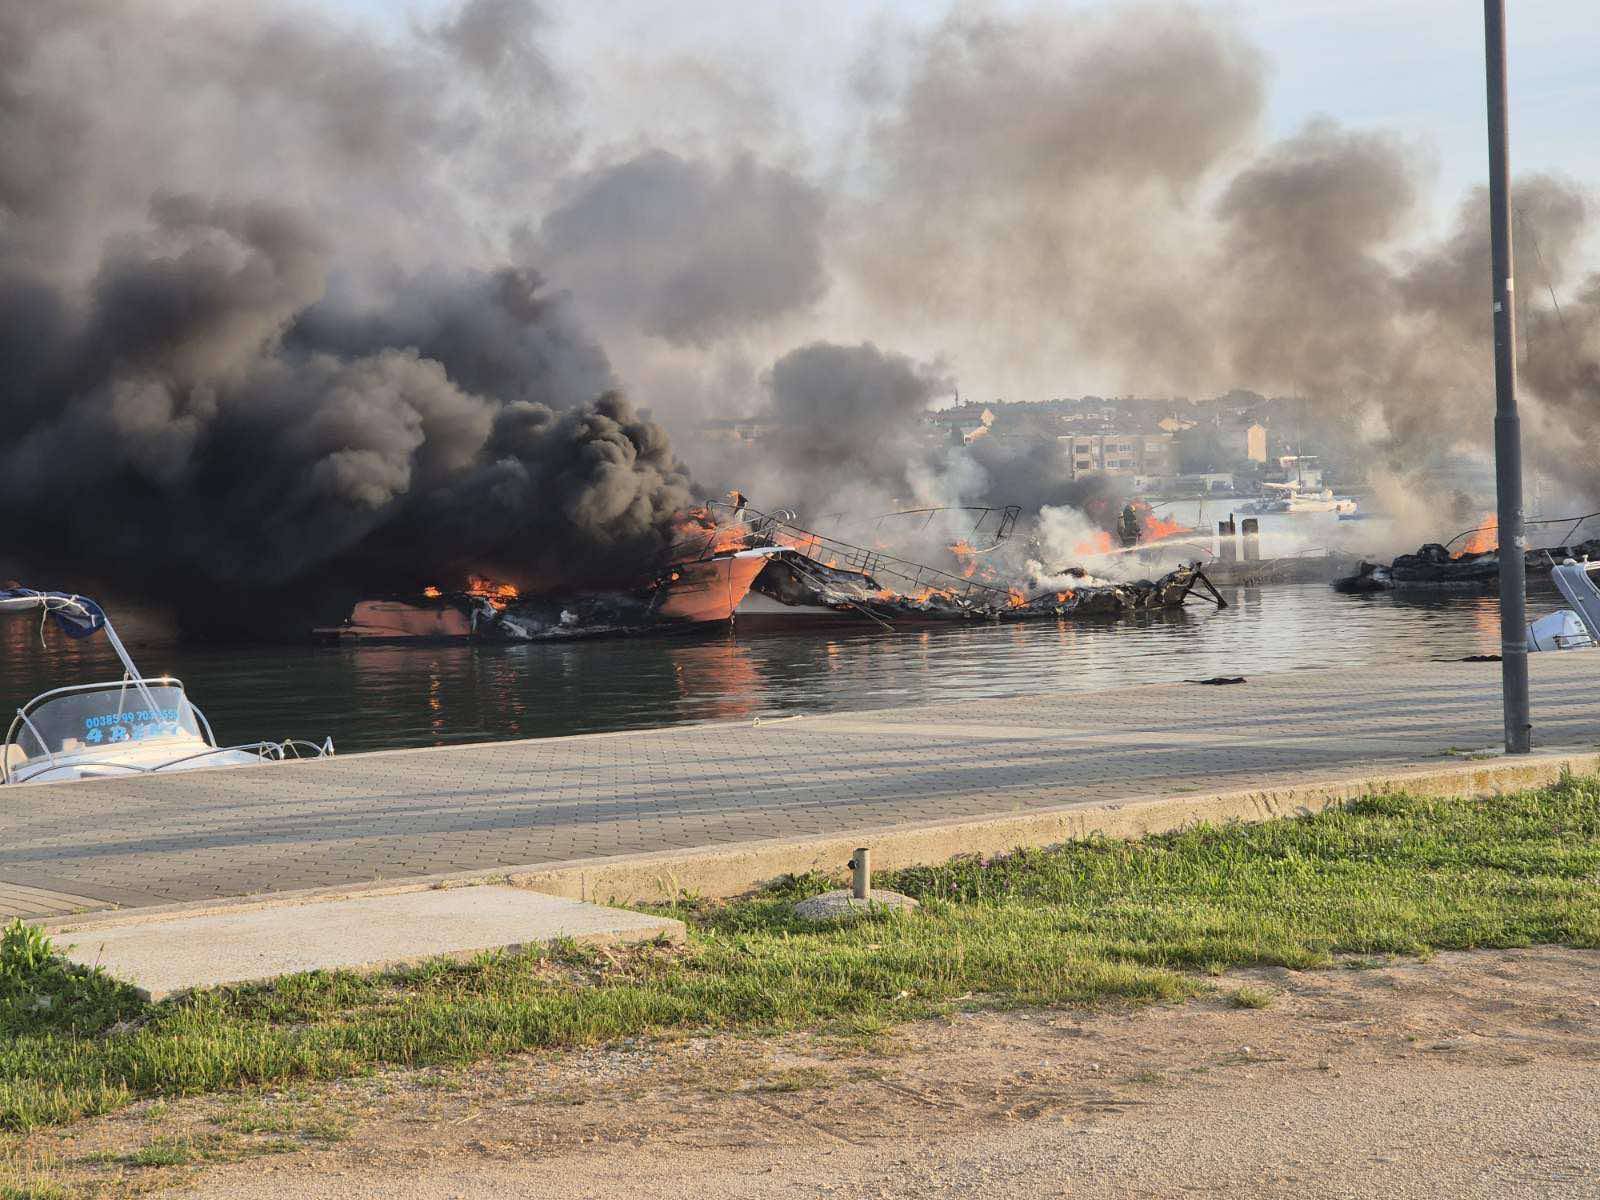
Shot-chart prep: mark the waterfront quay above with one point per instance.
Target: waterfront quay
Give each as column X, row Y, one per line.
column 775, row 795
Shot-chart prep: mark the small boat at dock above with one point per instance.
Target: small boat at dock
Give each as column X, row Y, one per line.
column 136, row 725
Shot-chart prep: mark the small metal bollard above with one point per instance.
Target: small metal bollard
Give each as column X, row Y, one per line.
column 861, row 864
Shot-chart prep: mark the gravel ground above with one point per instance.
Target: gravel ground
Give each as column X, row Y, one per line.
column 1471, row 1075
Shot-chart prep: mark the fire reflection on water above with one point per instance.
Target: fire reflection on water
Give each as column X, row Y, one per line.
column 722, row 674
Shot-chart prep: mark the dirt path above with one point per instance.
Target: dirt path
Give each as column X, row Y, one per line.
column 1471, row 1075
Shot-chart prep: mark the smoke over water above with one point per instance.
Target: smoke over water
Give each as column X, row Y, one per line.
column 286, row 301
column 251, row 338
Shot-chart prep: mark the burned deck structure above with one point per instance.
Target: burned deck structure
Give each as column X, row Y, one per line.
column 736, row 565
column 817, row 577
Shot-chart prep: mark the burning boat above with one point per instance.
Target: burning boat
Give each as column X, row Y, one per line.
column 1474, row 567
column 762, row 570
column 792, row 592
column 686, row 595
column 821, row 580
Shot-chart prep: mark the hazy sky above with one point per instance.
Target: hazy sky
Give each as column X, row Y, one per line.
column 1412, row 66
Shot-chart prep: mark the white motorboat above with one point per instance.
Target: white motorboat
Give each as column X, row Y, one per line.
column 1575, row 628
column 1290, row 498
column 133, row 726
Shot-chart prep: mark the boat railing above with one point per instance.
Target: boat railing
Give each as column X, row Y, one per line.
column 267, row 751
column 905, row 575
column 781, row 529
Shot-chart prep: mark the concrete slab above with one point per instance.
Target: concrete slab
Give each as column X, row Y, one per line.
column 254, row 943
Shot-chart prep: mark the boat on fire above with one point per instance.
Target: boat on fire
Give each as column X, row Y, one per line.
column 759, row 570
column 687, row 595
column 136, row 725
column 817, row 580
column 1435, row 567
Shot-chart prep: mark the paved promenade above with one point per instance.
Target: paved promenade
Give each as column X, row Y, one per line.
column 201, row 835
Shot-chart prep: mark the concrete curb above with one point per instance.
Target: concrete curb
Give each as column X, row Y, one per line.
column 731, row 870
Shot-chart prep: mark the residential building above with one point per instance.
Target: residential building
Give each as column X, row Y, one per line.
column 1254, row 436
column 1120, row 453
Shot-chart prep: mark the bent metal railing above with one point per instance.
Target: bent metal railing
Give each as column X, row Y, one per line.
column 900, row 574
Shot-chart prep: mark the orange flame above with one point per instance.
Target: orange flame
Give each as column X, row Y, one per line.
column 805, row 545
column 697, row 525
column 1016, row 598
column 1099, row 544
column 966, row 556
column 1155, row 528
column 1064, row 597
column 431, row 592
column 497, row 594
column 1483, row 539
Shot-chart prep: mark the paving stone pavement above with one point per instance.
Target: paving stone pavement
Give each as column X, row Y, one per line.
column 207, row 834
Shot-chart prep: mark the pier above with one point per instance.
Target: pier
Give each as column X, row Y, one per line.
column 638, row 810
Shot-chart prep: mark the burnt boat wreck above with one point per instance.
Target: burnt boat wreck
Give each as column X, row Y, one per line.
column 757, row 570
column 820, row 580
column 1434, row 567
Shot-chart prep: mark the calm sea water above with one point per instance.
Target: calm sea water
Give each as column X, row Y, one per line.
column 378, row 697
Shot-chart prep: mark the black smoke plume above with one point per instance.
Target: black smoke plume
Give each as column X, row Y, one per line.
column 250, row 343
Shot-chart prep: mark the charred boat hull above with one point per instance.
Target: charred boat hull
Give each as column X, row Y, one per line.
column 688, row 596
column 796, row 592
column 1434, row 568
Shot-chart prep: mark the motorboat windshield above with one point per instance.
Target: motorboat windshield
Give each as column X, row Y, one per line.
column 72, row 720
column 132, row 726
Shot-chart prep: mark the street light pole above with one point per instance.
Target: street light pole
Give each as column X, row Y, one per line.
column 1507, row 426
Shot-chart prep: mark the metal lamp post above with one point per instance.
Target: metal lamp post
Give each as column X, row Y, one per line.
column 1507, row 426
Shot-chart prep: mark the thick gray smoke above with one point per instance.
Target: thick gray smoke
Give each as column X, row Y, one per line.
column 1036, row 172
column 1085, row 194
column 686, row 251
column 284, row 299
column 250, row 337
column 848, row 413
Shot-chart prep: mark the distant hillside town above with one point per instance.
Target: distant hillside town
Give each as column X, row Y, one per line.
column 1164, row 445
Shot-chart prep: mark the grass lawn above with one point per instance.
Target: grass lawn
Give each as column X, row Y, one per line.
column 1086, row 922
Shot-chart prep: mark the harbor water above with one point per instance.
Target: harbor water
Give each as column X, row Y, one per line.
column 381, row 697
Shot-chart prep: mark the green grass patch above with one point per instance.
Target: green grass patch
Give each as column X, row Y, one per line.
column 1252, row 997
column 28, row 1175
column 1091, row 921
column 37, row 1190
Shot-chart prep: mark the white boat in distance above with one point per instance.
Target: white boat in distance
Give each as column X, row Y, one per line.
column 1289, row 498
column 132, row 726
